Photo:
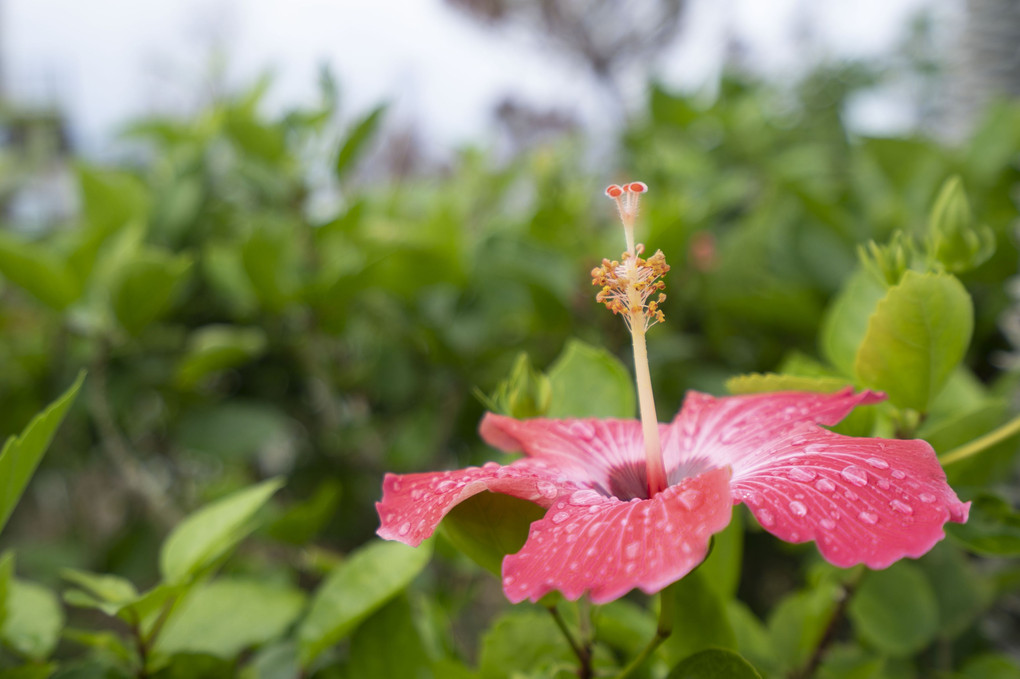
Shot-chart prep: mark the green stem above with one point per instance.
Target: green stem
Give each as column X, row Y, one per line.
column 667, row 610
column 981, row 443
column 582, row 652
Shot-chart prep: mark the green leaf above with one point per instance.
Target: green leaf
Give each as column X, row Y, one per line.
column 846, row 321
column 354, row 590
column 918, row 334
column 111, row 199
column 797, row 624
column 145, row 287
column 488, row 526
column 31, row 671
column 208, row 534
column 235, row 429
column 721, row 569
column 357, row 140
column 523, row 643
column 39, row 271
column 961, row 592
column 21, row 455
column 895, row 610
column 525, row 393
column 304, row 520
column 753, row 640
column 389, row 645
column 990, row 666
column 218, row 347
column 266, row 257
column 108, row 593
column 714, row 664
column 589, row 382
column 228, row 616
column 756, row 383
column 6, row 576
column 700, row 620
column 992, row 529
column 33, row 621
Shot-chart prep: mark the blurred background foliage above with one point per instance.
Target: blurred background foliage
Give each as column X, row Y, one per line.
column 259, row 295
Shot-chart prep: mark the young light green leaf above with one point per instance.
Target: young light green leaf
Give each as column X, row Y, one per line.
column 33, row 621
column 756, row 383
column 217, row 347
column 714, row 664
column 488, row 526
column 361, row 585
column 108, row 593
column 846, row 321
column 357, row 140
column 917, row 335
column 953, row 237
column 39, row 271
column 589, row 382
column 21, row 454
column 228, row 616
column 208, row 534
column 895, row 610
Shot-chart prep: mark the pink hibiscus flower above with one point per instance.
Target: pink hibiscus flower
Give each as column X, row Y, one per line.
column 634, row 504
column 862, row 500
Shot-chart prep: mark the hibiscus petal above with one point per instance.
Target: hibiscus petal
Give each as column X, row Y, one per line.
column 608, row 547
column 862, row 500
column 413, row 504
column 737, row 430
column 604, row 454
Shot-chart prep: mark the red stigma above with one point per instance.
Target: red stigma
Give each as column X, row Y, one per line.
column 614, row 191
column 637, row 187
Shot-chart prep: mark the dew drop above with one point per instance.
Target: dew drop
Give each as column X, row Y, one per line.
column 692, row 499
column 560, row 517
column 926, row 498
column 417, row 493
column 508, row 580
column 901, row 506
column 825, row 485
column 868, row 517
column 405, row 529
column 444, row 486
column 765, row 517
column 802, row 475
column 585, row 498
column 855, row 475
column 878, row 463
column 631, row 550
column 883, row 484
column 850, row 495
column 547, row 489
column 490, row 465
column 827, row 524
column 798, row 508
column 815, row 448
column 898, row 474
column 396, row 484
column 595, row 528
column 594, row 509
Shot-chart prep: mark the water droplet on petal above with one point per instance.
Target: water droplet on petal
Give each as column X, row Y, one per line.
column 692, row 499
column 898, row 474
column 901, row 506
column 868, row 517
column 815, row 448
column 405, row 529
column 508, row 580
column 926, row 498
column 802, row 475
column 490, row 465
column 883, row 484
column 850, row 495
column 631, row 550
column 798, row 508
column 585, row 498
column 417, row 493
column 595, row 528
column 825, row 485
column 547, row 489
column 560, row 517
column 827, row 524
column 855, row 475
column 878, row 463
column 765, row 517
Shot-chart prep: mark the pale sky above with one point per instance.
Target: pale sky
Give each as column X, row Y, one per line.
column 107, row 60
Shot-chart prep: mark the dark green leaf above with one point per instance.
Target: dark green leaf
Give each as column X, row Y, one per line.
column 145, row 287
column 993, row 528
column 895, row 610
column 699, row 622
column 213, row 348
column 21, row 455
column 206, row 535
column 714, row 664
column 39, row 271
column 797, row 624
column 488, row 526
column 354, row 590
column 388, row 644
column 523, row 642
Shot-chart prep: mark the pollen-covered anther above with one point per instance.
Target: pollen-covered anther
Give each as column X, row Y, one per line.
column 627, row 286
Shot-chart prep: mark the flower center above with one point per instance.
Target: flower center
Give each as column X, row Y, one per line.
column 626, row 287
